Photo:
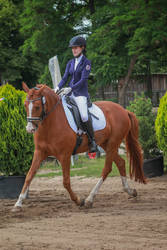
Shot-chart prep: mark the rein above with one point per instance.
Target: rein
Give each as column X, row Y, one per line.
column 43, row 115
column 54, row 106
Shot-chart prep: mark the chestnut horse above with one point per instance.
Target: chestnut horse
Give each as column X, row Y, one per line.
column 53, row 136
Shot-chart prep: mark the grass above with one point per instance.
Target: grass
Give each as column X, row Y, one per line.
column 83, row 167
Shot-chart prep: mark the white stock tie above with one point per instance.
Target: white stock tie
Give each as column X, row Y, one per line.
column 76, row 63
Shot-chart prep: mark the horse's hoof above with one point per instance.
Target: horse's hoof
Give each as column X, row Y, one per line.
column 82, row 203
column 88, row 204
column 16, row 209
column 134, row 193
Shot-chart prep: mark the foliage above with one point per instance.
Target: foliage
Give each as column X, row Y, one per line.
column 48, row 26
column 142, row 108
column 34, row 31
column 122, row 29
column 161, row 124
column 16, row 145
column 11, row 60
column 14, row 66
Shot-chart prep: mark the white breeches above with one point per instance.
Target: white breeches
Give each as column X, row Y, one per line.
column 81, row 102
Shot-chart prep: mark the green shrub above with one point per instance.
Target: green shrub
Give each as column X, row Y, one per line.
column 16, row 145
column 161, row 124
column 142, row 107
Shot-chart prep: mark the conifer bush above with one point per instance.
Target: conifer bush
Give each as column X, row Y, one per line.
column 16, row 145
column 161, row 124
column 142, row 108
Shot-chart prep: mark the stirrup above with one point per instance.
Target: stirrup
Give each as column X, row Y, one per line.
column 92, row 147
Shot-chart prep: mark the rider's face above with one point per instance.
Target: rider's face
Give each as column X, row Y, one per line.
column 77, row 50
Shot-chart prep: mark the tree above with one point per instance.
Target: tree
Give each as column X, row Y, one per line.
column 14, row 66
column 11, row 60
column 126, row 36
column 47, row 27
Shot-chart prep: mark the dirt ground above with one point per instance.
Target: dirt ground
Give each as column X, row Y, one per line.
column 50, row 220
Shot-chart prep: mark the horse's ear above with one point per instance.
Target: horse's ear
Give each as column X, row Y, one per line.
column 25, row 87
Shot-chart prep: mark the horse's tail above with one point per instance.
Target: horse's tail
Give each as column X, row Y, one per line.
column 134, row 151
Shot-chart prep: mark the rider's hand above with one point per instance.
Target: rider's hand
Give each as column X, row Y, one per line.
column 56, row 89
column 66, row 91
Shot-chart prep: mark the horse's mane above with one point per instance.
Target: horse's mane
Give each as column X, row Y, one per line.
column 42, row 86
column 46, row 90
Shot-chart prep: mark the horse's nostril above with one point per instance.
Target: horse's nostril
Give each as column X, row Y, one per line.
column 30, row 128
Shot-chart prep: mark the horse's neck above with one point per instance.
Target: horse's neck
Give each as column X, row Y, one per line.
column 51, row 130
column 52, row 99
column 54, row 113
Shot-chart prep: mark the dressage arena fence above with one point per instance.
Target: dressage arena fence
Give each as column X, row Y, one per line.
column 137, row 85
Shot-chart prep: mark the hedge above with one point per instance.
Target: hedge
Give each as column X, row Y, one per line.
column 161, row 124
column 142, row 107
column 16, row 145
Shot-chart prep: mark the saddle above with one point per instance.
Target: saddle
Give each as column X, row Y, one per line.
column 72, row 106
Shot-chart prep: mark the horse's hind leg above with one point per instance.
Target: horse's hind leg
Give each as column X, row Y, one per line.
column 121, row 167
column 106, row 170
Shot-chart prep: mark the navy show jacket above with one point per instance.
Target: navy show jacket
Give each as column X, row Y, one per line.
column 78, row 78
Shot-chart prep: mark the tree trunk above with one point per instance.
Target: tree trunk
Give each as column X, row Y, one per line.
column 149, row 81
column 102, row 92
column 123, row 82
column 91, row 6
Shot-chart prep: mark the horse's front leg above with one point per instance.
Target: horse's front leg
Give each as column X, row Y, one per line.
column 65, row 163
column 37, row 159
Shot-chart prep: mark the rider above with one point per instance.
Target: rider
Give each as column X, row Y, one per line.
column 78, row 69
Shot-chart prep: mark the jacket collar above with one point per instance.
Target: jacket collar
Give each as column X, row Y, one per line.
column 82, row 59
column 79, row 58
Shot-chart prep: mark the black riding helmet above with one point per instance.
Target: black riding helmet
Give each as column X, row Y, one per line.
column 77, row 41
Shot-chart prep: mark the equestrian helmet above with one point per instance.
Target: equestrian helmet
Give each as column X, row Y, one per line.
column 77, row 41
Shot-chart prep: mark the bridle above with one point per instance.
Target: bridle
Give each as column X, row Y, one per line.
column 44, row 114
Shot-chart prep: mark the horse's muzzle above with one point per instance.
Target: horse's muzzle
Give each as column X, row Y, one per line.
column 30, row 128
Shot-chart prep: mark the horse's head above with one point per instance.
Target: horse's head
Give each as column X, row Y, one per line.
column 35, row 106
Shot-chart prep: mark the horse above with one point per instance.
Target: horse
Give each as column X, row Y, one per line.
column 53, row 136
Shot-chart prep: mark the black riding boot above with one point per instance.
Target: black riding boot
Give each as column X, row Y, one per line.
column 90, row 133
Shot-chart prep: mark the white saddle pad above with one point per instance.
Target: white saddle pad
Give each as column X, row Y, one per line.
column 97, row 124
